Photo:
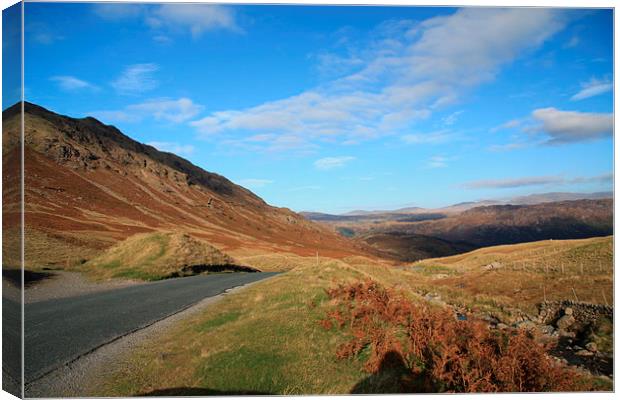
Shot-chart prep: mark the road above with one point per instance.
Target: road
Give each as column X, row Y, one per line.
column 60, row 330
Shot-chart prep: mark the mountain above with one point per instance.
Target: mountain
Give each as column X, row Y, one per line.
column 464, row 227
column 559, row 196
column 88, row 186
column 536, row 198
column 508, row 224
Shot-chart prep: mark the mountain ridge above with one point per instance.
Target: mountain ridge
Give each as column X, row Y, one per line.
column 88, row 186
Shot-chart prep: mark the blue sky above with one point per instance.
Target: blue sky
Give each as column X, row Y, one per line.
column 339, row 108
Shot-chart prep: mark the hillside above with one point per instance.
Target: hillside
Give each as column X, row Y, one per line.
column 88, row 186
column 509, row 224
column 524, row 275
column 285, row 340
column 412, row 247
column 152, row 256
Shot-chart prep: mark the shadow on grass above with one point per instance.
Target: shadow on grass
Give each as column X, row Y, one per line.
column 393, row 377
column 189, row 391
column 14, row 276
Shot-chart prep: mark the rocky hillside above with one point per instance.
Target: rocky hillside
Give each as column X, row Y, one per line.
column 88, row 186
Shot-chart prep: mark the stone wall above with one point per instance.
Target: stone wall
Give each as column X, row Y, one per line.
column 584, row 313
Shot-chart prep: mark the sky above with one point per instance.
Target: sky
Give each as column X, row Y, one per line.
column 336, row 108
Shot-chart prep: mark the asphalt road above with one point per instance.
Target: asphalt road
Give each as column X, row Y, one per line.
column 60, row 330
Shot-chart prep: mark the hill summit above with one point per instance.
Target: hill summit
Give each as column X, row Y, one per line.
column 88, row 186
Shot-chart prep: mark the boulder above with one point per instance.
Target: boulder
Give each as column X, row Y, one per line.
column 493, row 265
column 546, row 329
column 592, row 347
column 565, row 322
column 568, row 311
column 584, row 353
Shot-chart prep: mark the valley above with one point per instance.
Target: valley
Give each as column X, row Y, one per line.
column 118, row 212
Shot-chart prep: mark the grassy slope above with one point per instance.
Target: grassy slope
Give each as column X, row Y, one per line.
column 153, row 256
column 266, row 338
column 528, row 273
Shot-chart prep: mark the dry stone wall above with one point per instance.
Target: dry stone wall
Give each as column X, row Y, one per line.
column 584, row 313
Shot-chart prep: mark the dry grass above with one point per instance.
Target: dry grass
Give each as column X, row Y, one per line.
column 153, row 256
column 267, row 338
column 528, row 274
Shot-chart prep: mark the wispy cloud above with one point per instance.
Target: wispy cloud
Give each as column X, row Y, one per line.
column 437, row 162
column 71, row 83
column 118, row 11
column 573, row 42
column 253, row 183
column 174, row 18
column 511, row 183
column 593, row 88
column 173, row 147
column 513, row 123
column 573, row 126
column 452, row 118
column 197, row 18
column 175, row 111
column 136, row 79
column 437, row 137
column 41, row 33
column 498, row 148
column 328, row 163
column 416, row 69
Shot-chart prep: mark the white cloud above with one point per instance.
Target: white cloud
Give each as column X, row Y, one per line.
column 593, row 88
column 328, row 163
column 411, row 70
column 573, row 126
column 254, row 183
column 71, row 83
column 513, row 123
column 197, row 18
column 136, row 79
column 511, row 183
column 193, row 18
column 452, row 118
column 498, row 148
column 174, row 148
column 573, row 42
column 118, row 11
column 437, row 137
column 175, row 111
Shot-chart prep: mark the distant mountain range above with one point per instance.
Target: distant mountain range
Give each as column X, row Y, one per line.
column 440, row 232
column 537, row 198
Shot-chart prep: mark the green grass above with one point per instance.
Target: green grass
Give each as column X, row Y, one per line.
column 246, row 370
column 267, row 338
column 219, row 320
